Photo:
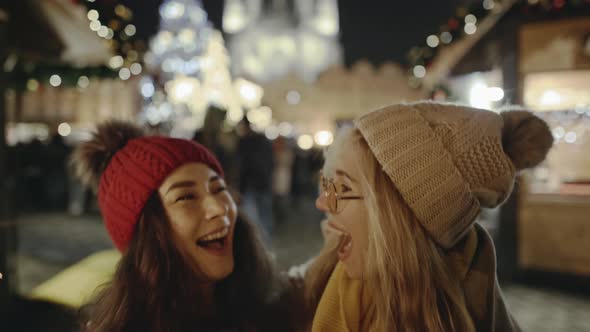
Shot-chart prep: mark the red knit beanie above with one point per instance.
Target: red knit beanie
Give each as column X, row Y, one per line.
column 134, row 167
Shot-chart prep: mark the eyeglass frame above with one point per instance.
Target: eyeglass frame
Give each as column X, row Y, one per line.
column 332, row 202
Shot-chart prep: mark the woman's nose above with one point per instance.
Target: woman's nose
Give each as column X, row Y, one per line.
column 213, row 207
column 320, row 203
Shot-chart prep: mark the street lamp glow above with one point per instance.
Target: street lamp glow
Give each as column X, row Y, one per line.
column 285, row 129
column 261, row 117
column 495, row 94
column 110, row 34
column 432, row 41
column 116, row 62
column 250, row 93
column 135, row 69
column 95, row 25
column 147, row 89
column 470, row 19
column 446, row 37
column 124, row 74
column 172, row 10
column 293, row 97
column 570, row 137
column 324, row 138
column 271, row 132
column 470, row 28
column 419, row 71
column 130, row 30
column 305, row 142
column 103, row 31
column 235, row 115
column 83, row 82
column 92, row 15
column 55, row 80
column 558, row 132
column 183, row 90
column 234, row 17
column 326, row 26
column 550, row 98
column 64, row 129
column 478, row 96
column 32, row 85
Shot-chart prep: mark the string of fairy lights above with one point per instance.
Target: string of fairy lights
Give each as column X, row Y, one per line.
column 119, row 32
column 465, row 22
column 113, row 24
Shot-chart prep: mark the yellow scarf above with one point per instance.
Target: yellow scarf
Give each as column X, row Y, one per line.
column 343, row 305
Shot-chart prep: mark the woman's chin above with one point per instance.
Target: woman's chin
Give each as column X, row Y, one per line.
column 219, row 271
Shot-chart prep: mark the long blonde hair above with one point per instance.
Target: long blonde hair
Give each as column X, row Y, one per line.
column 410, row 284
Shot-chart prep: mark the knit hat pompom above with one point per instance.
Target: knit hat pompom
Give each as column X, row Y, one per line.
column 91, row 158
column 526, row 138
column 448, row 161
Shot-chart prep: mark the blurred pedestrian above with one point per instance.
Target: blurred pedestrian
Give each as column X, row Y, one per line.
column 281, row 178
column 209, row 134
column 57, row 182
column 255, row 161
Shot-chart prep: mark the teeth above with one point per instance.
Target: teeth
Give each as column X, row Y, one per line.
column 218, row 235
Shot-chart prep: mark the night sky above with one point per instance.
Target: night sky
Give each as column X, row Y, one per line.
column 378, row 30
column 382, row 30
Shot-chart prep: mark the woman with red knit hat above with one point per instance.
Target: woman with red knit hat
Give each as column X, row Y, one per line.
column 189, row 261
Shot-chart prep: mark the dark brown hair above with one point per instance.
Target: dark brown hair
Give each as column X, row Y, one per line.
column 156, row 288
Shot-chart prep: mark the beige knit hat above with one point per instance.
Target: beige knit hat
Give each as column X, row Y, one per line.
column 447, row 161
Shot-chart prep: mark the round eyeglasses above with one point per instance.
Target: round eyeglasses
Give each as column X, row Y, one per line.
column 334, row 197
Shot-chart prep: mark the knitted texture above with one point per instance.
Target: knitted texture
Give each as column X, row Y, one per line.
column 445, row 160
column 135, row 172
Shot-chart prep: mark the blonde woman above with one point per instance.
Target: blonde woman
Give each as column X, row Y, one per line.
column 403, row 189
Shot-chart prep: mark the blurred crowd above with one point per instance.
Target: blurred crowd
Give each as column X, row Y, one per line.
column 269, row 177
